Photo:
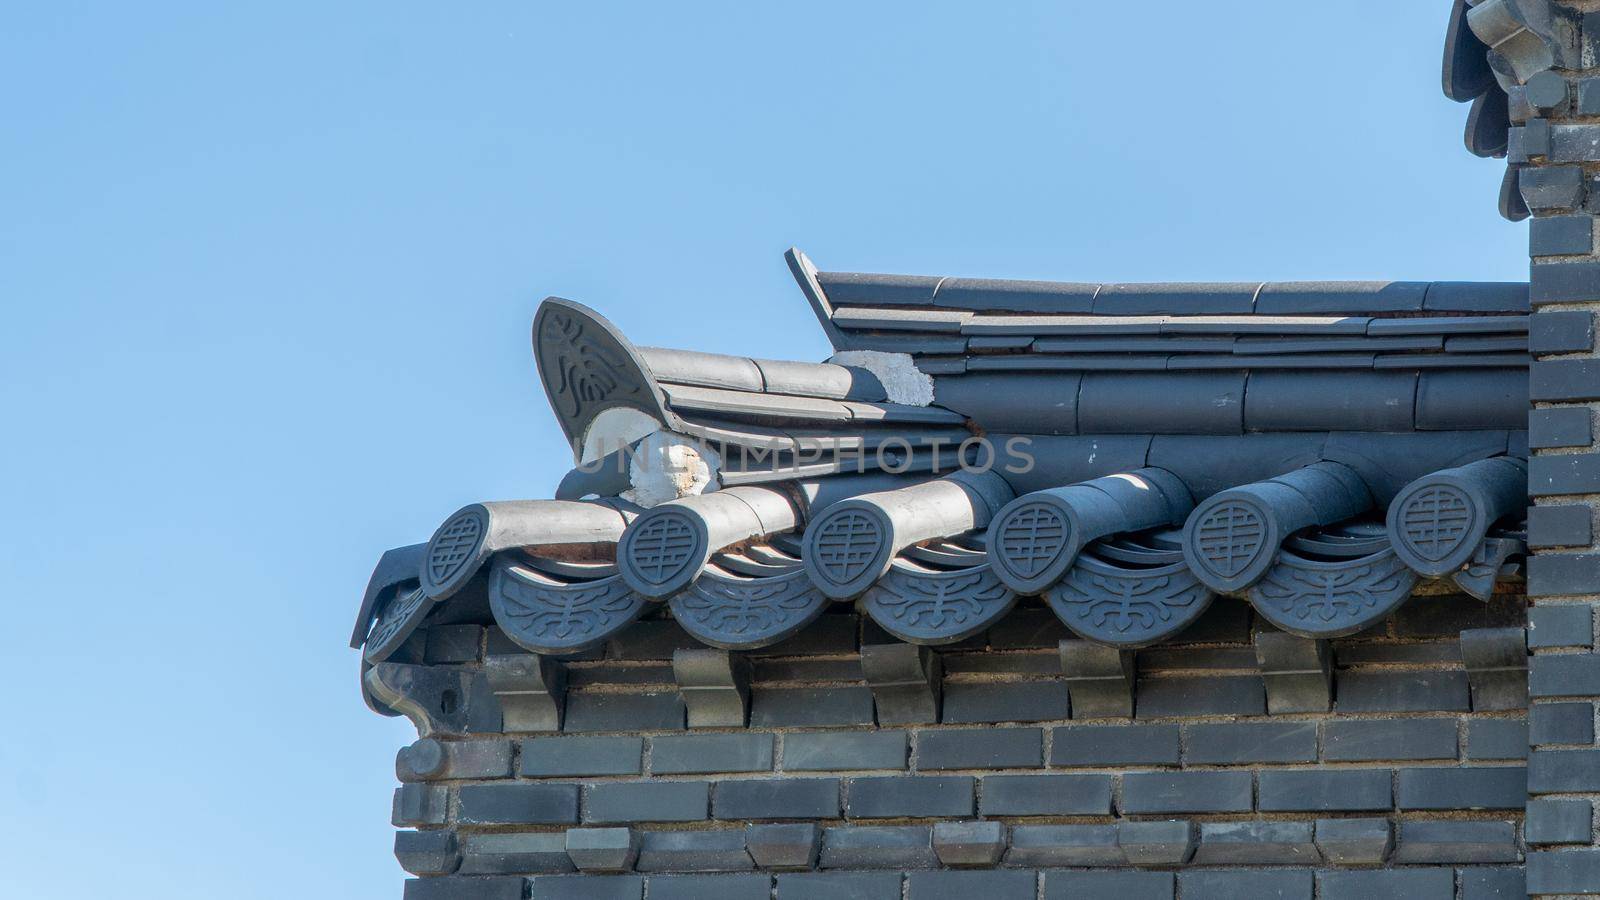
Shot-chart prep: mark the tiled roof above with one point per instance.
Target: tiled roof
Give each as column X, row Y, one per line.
column 1318, row 450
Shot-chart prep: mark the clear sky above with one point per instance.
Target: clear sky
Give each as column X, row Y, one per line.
column 266, row 279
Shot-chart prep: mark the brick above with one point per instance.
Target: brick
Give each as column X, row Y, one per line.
column 651, row 639
column 969, row 843
column 1589, row 94
column 1484, row 883
column 776, row 798
column 1297, row 672
column 1185, row 792
column 1294, row 884
column 1564, row 872
column 1563, row 771
column 1114, row 745
column 420, row 804
column 714, row 685
column 655, row 675
column 1570, row 331
column 1029, row 629
column 1099, row 679
column 1558, row 574
column 1445, row 616
column 1403, row 692
column 1226, row 622
column 1456, row 842
column 1574, row 473
column 1501, row 787
column 764, row 670
column 1558, row 822
column 1568, row 625
column 1389, row 884
column 890, row 796
column 791, row 845
column 709, row 887
column 982, row 662
column 1430, row 653
column 694, row 851
column 659, row 801
column 1497, row 667
column 1565, row 675
column 1357, row 740
column 1350, row 790
column 514, row 854
column 1551, row 187
column 501, row 888
column 1497, row 739
column 878, row 847
column 810, row 707
column 697, row 754
column 1256, row 844
column 981, row 748
column 603, row 849
column 1168, row 843
column 1354, row 842
column 905, row 680
column 1250, row 742
column 623, row 712
column 816, row 751
column 427, row 852
column 1122, row 885
column 998, row 884
column 1560, row 236
column 1064, row 845
column 1028, row 701
column 1560, row 526
column 830, row 634
column 453, row 644
column 1564, row 379
column 1560, row 427
column 587, row 887
column 517, row 804
column 1561, row 723
column 1211, row 696
column 545, row 757
column 1046, row 795
column 839, row 886
column 429, row 759
column 1563, row 282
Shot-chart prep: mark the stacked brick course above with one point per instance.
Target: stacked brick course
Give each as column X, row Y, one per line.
column 1558, row 176
column 1411, row 781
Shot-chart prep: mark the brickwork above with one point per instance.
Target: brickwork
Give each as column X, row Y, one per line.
column 1564, row 562
column 1408, row 786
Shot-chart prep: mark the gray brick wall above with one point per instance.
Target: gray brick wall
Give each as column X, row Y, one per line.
column 1564, row 562
column 1403, row 788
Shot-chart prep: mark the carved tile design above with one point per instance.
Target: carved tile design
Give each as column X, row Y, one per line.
column 455, row 543
column 1128, row 607
column 923, row 606
column 1435, row 521
column 588, row 368
column 736, row 613
column 1032, row 535
column 1230, row 537
column 396, row 621
column 1326, row 599
column 846, row 544
column 550, row 616
column 660, row 548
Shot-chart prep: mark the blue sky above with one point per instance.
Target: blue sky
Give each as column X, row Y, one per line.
column 266, row 279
